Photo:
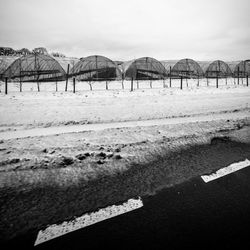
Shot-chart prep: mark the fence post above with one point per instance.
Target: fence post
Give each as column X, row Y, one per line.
column 67, row 78
column 6, row 85
column 181, row 82
column 170, row 74
column 74, row 85
column 238, row 75
column 20, row 85
column 132, row 83
column 217, row 82
column 247, row 80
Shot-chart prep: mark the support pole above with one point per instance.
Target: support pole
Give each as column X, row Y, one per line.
column 217, row 82
column 138, row 86
column 181, row 82
column 132, row 79
column 170, row 74
column 207, row 81
column 20, row 84
column 107, row 85
column 67, row 79
column 122, row 84
column 20, row 80
column 247, row 80
column 198, row 82
column 6, row 85
column 238, row 75
column 56, row 86
column 38, row 86
column 74, row 85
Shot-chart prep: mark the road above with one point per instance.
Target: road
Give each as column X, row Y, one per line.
column 193, row 214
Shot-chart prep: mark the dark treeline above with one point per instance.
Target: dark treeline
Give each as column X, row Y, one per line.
column 7, row 51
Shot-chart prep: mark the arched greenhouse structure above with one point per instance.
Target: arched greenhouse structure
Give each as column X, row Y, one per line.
column 35, row 68
column 218, row 69
column 95, row 68
column 145, row 68
column 242, row 69
column 5, row 62
column 187, row 68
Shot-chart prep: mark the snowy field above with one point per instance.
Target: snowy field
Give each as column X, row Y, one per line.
column 29, row 109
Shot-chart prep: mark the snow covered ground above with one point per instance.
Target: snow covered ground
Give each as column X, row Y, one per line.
column 30, row 109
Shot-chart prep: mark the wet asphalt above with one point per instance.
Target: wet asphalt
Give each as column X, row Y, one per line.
column 194, row 214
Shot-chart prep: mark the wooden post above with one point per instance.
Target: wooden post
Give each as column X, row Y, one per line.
column 6, row 85
column 187, row 82
column 20, row 80
column 107, row 85
column 132, row 79
column 170, row 74
column 122, row 84
column 67, row 78
column 20, row 84
column 38, row 86
column 226, row 80
column 247, row 80
column 217, row 81
column 198, row 83
column 238, row 75
column 90, row 86
column 74, row 85
column 181, row 82
column 138, row 84
column 150, row 83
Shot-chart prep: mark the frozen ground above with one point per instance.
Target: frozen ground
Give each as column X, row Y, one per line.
column 31, row 109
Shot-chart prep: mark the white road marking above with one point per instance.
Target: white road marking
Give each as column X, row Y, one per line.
column 54, row 230
column 227, row 170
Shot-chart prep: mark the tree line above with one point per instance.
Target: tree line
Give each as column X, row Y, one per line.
column 7, row 51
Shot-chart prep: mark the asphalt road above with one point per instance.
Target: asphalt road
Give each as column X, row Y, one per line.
column 195, row 214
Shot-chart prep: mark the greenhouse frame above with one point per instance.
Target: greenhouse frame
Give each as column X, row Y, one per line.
column 218, row 69
column 144, row 68
column 35, row 68
column 5, row 62
column 95, row 68
column 242, row 69
column 187, row 68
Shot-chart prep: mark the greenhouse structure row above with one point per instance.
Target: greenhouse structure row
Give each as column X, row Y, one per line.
column 45, row 68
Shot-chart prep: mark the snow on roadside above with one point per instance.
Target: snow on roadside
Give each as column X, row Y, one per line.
column 48, row 108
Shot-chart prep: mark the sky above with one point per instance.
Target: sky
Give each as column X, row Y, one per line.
column 125, row 30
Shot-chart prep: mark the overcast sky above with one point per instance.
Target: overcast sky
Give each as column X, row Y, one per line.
column 128, row 29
